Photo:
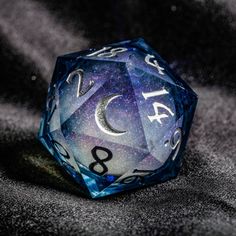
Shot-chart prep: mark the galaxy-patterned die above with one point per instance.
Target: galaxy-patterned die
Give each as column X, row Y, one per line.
column 117, row 118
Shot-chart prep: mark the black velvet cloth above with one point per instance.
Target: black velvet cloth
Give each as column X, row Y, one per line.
column 198, row 39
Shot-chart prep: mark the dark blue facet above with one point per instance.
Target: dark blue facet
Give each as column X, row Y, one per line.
column 117, row 118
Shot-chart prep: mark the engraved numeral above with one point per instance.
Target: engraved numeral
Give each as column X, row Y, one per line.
column 105, row 53
column 158, row 116
column 154, row 93
column 154, row 63
column 65, row 158
column 96, row 53
column 50, row 114
column 156, row 105
column 100, row 161
column 175, row 142
column 139, row 175
column 51, row 107
column 79, row 73
column 61, row 149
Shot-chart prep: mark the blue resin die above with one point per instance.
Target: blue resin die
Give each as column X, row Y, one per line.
column 117, row 118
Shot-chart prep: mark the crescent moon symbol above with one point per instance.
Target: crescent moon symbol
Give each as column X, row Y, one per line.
column 100, row 116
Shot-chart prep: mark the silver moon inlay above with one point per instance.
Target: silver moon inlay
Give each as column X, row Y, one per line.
column 100, row 116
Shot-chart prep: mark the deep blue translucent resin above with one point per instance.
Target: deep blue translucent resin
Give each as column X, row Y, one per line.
column 117, row 118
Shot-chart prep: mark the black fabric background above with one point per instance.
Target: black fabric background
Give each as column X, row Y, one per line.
column 198, row 39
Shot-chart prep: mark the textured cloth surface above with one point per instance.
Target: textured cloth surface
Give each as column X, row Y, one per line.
column 198, row 39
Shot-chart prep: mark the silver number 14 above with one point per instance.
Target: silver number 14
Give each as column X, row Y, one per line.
column 156, row 105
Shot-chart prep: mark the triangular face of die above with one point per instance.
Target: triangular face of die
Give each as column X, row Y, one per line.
column 111, row 113
column 161, row 106
column 102, row 162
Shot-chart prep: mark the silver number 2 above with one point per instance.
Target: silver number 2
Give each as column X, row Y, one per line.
column 79, row 73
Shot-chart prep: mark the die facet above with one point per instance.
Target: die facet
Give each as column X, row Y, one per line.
column 117, row 118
